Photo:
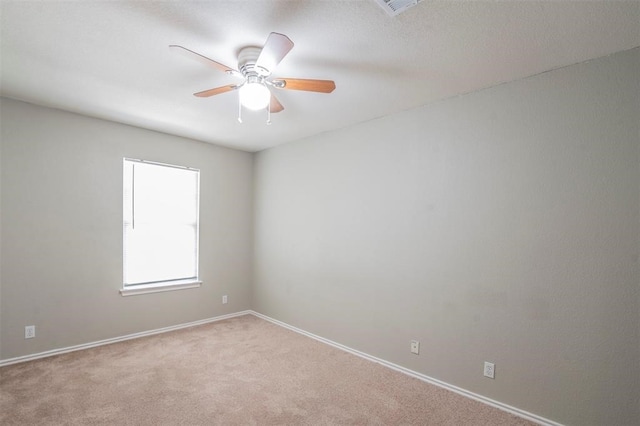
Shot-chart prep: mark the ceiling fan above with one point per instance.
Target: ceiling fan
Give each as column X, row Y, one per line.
column 255, row 66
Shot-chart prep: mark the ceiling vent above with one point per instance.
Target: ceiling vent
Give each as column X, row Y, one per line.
column 395, row 7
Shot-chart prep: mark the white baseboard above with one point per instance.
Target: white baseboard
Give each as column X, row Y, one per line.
column 504, row 407
column 117, row 339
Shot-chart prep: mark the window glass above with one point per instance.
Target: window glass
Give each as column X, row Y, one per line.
column 160, row 219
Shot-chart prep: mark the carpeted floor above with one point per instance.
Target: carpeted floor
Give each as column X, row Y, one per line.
column 241, row 371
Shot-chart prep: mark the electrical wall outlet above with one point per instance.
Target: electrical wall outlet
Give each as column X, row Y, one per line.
column 224, row 299
column 489, row 370
column 415, row 347
column 30, row 332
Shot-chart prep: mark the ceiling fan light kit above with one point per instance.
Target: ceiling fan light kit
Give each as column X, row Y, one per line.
column 254, row 95
column 255, row 66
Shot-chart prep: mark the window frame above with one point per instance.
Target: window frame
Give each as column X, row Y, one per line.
column 163, row 285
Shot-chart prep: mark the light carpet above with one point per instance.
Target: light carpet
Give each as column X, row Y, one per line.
column 240, row 371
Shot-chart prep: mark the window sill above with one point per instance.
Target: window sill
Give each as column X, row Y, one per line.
column 157, row 288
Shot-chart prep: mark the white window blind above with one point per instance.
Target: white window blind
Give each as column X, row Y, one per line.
column 160, row 219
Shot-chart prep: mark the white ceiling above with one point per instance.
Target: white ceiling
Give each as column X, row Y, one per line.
column 110, row 59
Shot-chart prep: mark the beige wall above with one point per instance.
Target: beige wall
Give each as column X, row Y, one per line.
column 499, row 226
column 62, row 231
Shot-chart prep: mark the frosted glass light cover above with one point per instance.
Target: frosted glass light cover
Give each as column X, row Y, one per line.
column 254, row 96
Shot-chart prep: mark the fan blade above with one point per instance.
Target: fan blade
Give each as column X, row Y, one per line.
column 209, row 62
column 216, row 91
column 275, row 48
column 275, row 105
column 322, row 86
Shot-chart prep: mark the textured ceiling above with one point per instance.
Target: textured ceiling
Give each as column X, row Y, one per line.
column 110, row 59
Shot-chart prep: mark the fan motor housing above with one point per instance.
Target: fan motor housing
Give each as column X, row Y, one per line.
column 247, row 60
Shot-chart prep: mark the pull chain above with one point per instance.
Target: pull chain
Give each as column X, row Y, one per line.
column 269, row 114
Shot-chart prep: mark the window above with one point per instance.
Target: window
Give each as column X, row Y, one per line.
column 160, row 227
